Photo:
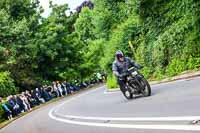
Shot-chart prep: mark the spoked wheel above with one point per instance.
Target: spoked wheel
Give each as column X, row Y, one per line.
column 128, row 94
column 146, row 91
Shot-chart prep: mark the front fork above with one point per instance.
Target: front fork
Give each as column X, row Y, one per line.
column 138, row 86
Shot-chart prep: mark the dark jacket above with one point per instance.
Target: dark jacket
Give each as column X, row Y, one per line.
column 121, row 67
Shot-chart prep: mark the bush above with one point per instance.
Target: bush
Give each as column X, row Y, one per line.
column 176, row 66
column 146, row 72
column 169, row 43
column 119, row 39
column 193, row 63
column 111, row 82
column 159, row 73
column 7, row 86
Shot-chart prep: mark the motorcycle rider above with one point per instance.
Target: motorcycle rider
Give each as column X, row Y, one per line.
column 120, row 67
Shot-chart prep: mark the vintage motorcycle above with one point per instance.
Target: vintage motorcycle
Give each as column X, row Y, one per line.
column 136, row 84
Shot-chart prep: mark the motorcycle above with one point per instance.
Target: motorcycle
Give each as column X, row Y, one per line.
column 136, row 84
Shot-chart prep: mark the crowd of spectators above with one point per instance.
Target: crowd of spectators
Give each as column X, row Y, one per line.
column 13, row 105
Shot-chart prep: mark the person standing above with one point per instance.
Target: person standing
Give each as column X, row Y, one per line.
column 55, row 89
column 59, row 88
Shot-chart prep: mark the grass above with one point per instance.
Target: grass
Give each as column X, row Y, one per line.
column 111, row 82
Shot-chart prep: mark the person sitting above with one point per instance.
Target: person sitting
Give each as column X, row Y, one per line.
column 51, row 92
column 13, row 105
column 8, row 112
column 29, row 98
column 64, row 88
column 39, row 96
column 25, row 102
column 35, row 97
column 19, row 102
column 45, row 94
column 67, row 87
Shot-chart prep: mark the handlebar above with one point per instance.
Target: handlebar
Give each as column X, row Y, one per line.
column 131, row 69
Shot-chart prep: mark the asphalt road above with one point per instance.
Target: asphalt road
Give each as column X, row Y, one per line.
column 170, row 109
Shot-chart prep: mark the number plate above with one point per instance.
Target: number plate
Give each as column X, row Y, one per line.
column 134, row 73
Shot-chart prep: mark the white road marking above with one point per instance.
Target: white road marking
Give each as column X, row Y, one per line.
column 161, row 127
column 111, row 92
column 181, row 118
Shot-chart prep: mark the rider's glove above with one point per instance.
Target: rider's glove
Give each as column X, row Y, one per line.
column 139, row 67
column 122, row 75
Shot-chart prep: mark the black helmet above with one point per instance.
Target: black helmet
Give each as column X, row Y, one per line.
column 119, row 54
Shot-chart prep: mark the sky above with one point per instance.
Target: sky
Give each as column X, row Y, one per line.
column 72, row 5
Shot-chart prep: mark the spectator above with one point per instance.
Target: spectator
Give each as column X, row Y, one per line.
column 55, row 89
column 25, row 107
column 25, row 102
column 59, row 88
column 45, row 94
column 104, row 75
column 98, row 76
column 29, row 98
column 64, row 88
column 39, row 95
column 8, row 112
column 19, row 102
column 51, row 91
column 13, row 105
column 67, row 87
column 35, row 97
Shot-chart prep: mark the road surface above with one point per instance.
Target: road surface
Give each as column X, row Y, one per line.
column 170, row 109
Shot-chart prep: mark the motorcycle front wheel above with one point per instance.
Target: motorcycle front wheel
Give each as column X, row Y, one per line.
column 146, row 91
column 128, row 95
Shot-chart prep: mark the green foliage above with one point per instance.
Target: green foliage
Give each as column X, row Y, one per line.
column 193, row 62
column 164, row 35
column 57, row 47
column 92, row 55
column 146, row 72
column 119, row 40
column 7, row 86
column 36, row 49
column 176, row 66
column 111, row 82
column 84, row 26
column 171, row 33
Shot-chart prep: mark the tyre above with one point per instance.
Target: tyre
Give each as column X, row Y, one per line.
column 128, row 95
column 146, row 91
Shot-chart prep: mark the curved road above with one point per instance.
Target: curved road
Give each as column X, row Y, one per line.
column 170, row 109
